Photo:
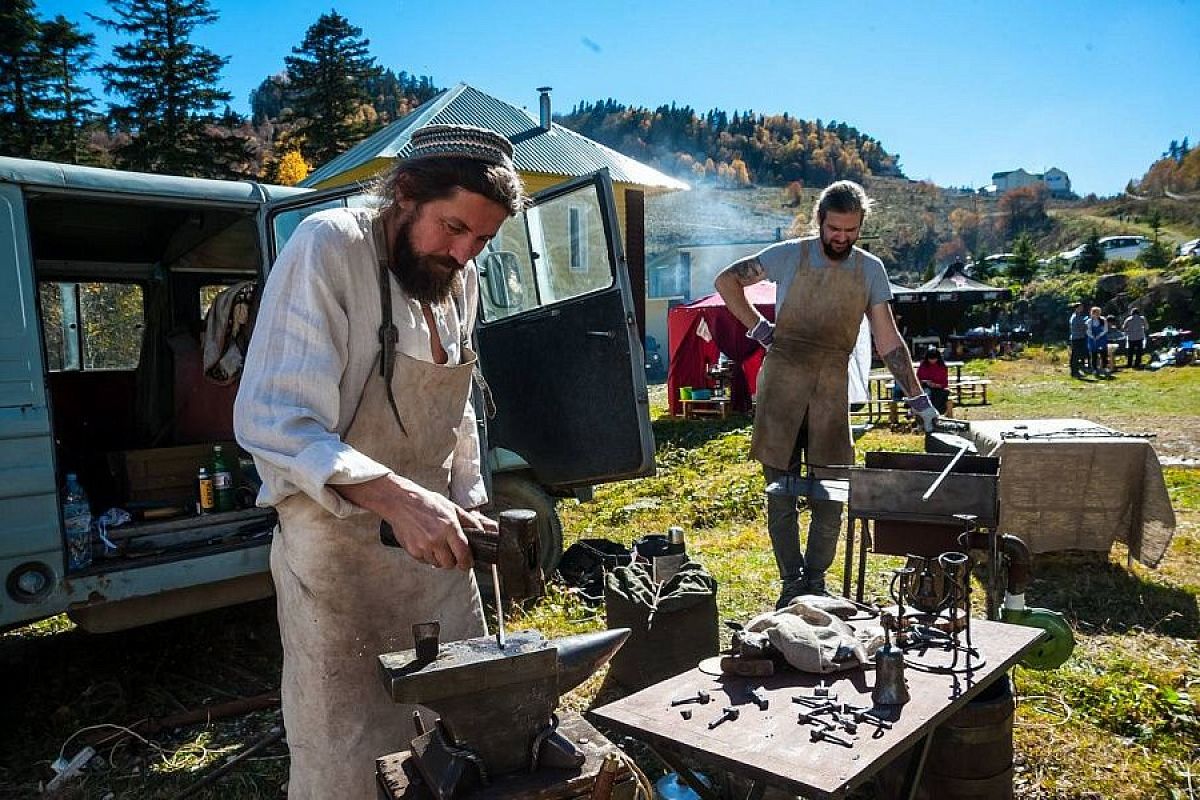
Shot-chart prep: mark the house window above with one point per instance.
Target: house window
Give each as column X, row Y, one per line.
column 577, row 235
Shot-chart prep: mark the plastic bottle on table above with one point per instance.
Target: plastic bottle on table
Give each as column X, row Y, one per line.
column 77, row 524
column 222, row 480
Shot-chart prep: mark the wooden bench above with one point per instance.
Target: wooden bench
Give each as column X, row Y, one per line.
column 970, row 391
column 713, row 407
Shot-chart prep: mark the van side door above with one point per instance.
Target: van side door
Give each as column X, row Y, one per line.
column 28, row 492
column 558, row 340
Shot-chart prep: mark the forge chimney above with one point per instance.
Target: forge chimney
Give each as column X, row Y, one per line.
column 544, row 106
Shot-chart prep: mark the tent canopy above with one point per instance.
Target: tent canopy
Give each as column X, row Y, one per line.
column 699, row 332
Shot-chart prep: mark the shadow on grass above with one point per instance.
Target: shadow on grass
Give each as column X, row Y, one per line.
column 1104, row 597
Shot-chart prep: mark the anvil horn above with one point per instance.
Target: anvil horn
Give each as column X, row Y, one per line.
column 580, row 656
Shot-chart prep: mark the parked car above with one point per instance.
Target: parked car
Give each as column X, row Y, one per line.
column 1190, row 248
column 1113, row 247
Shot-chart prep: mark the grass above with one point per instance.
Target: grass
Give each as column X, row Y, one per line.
column 1119, row 720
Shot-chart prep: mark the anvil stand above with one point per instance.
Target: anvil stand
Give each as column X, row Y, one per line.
column 496, row 734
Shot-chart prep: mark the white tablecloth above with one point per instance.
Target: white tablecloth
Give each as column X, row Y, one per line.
column 1071, row 484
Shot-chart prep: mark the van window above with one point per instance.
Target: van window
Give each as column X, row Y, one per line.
column 553, row 252
column 92, row 326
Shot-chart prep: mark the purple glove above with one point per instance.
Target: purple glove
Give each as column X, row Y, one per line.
column 923, row 410
column 763, row 333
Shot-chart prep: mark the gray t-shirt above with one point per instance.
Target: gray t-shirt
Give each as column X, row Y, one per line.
column 1078, row 326
column 1135, row 327
column 781, row 259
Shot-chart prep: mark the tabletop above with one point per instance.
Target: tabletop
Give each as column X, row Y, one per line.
column 771, row 746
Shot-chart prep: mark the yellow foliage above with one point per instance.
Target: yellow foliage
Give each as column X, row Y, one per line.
column 293, row 168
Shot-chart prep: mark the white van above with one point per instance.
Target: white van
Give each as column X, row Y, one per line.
column 1113, row 248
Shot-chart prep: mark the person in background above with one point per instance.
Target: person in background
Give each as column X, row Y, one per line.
column 355, row 403
column 935, row 380
column 825, row 287
column 1097, row 342
column 1079, row 340
column 1135, row 338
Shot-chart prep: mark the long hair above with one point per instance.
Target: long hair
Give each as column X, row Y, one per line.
column 426, row 179
column 842, row 197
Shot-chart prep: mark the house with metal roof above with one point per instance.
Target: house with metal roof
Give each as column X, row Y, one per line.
column 544, row 153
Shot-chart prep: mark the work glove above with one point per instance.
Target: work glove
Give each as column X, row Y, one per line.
column 923, row 410
column 763, row 332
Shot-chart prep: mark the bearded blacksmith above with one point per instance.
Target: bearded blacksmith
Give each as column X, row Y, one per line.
column 355, row 405
column 824, row 286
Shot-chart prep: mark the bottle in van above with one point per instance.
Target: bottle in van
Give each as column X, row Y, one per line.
column 77, row 524
column 222, row 480
column 208, row 499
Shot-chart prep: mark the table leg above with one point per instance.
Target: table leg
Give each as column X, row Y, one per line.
column 916, row 767
column 848, row 567
column 864, row 542
column 690, row 778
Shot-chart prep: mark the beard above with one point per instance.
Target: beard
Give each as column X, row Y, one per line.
column 428, row 279
column 834, row 253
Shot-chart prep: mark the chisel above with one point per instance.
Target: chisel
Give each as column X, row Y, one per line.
column 485, row 549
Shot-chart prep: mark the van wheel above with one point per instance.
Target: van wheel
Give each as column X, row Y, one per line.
column 516, row 490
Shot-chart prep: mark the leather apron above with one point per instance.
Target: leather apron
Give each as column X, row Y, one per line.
column 343, row 598
column 805, row 372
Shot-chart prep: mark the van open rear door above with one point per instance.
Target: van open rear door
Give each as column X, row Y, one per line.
column 559, row 344
column 32, row 557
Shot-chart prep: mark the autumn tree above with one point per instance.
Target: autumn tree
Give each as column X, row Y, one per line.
column 66, row 54
column 1023, row 210
column 290, row 169
column 170, row 88
column 326, row 79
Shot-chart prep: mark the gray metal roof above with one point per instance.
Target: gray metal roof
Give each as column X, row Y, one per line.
column 558, row 151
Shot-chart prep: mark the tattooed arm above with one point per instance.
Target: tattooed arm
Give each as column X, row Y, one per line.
column 892, row 350
column 731, row 283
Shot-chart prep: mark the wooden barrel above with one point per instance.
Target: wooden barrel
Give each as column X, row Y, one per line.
column 971, row 757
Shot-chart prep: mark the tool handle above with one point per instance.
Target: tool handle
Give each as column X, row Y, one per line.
column 485, row 546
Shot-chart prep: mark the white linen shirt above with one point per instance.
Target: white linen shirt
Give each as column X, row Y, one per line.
column 313, row 352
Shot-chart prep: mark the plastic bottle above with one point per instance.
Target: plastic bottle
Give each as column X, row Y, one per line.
column 77, row 525
column 208, row 499
column 222, row 480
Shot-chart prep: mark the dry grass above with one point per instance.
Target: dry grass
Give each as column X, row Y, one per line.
column 1119, row 720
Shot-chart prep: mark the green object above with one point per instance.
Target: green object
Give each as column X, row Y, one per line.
column 222, row 480
column 685, row 393
column 1057, row 645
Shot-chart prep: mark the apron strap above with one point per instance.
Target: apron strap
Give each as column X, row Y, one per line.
column 389, row 335
column 458, row 295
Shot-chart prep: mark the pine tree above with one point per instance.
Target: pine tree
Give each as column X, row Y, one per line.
column 66, row 53
column 22, row 79
column 171, row 89
column 1092, row 256
column 326, row 86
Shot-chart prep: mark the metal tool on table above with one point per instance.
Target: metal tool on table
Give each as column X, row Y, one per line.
column 891, row 689
column 494, row 706
column 728, row 714
column 962, row 450
column 702, row 697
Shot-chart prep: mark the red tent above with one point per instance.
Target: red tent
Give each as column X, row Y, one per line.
column 699, row 332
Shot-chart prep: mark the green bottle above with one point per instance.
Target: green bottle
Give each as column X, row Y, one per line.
column 222, row 480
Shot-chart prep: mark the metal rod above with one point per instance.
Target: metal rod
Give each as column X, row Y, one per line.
column 929, row 492
column 500, row 641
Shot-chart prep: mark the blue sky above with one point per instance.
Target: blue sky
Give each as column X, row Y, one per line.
column 959, row 89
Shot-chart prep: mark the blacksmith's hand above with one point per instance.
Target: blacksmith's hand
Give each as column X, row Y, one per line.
column 763, row 332
column 923, row 410
column 474, row 518
column 429, row 529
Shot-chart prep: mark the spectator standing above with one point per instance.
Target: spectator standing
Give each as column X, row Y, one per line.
column 1079, row 340
column 1097, row 341
column 1135, row 338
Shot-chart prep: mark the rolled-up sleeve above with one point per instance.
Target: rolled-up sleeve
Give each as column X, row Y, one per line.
column 288, row 405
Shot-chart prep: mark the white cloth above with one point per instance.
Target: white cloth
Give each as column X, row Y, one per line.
column 314, row 348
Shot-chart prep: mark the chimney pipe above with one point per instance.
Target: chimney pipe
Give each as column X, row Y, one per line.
column 544, row 106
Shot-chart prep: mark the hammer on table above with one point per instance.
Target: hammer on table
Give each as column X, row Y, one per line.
column 485, row 549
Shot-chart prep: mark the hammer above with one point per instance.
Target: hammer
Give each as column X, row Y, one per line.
column 485, row 549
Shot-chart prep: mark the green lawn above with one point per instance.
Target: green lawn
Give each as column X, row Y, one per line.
column 1117, row 721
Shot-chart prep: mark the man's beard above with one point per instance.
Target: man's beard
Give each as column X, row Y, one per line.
column 836, row 255
column 427, row 279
